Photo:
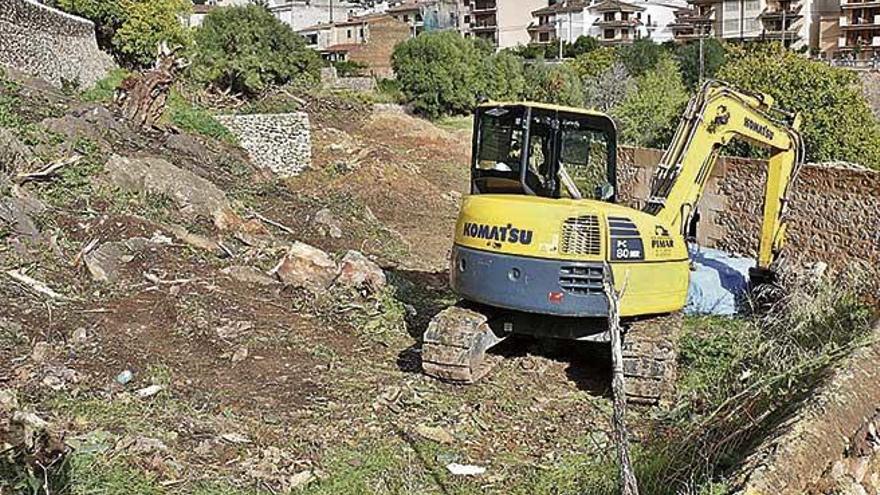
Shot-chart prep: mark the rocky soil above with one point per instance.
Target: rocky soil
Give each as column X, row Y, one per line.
column 174, row 320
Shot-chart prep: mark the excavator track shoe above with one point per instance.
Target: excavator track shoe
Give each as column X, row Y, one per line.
column 454, row 346
column 650, row 353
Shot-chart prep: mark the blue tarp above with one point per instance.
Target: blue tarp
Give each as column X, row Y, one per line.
column 718, row 280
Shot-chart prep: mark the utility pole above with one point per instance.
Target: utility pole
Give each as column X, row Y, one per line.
column 702, row 61
column 559, row 29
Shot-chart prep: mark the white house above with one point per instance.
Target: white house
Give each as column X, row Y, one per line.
column 610, row 21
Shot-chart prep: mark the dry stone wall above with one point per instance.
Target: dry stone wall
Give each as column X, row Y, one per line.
column 50, row 44
column 834, row 211
column 279, row 142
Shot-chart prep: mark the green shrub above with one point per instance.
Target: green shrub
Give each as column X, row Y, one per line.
column 688, row 56
column 837, row 120
column 557, row 84
column 648, row 116
column 505, row 77
column 348, row 68
column 641, row 56
column 108, row 16
column 440, row 73
column 149, row 23
column 132, row 29
column 247, row 50
column 593, row 63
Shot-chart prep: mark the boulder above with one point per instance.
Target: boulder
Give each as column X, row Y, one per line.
column 356, row 270
column 105, row 261
column 306, row 267
column 17, row 212
column 329, row 223
column 194, row 195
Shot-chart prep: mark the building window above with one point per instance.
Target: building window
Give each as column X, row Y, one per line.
column 348, row 33
column 649, row 19
column 467, row 19
column 639, row 15
column 609, row 34
column 362, row 33
column 544, row 37
column 609, row 16
column 405, row 18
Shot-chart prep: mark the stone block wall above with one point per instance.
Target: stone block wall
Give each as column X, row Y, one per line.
column 281, row 143
column 50, row 44
column 834, row 213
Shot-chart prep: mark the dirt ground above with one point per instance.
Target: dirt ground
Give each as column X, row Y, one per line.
column 266, row 389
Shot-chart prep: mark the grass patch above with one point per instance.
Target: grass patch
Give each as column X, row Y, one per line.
column 104, row 90
column 100, row 475
column 74, row 182
column 195, row 119
column 455, row 123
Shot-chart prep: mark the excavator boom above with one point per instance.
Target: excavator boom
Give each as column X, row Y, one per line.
column 715, row 116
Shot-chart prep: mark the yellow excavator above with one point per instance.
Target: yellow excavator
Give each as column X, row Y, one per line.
column 541, row 226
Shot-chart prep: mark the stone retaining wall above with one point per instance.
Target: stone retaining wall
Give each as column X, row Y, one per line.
column 50, row 44
column 834, row 212
column 831, row 445
column 281, row 143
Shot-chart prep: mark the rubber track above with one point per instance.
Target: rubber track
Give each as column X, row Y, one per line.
column 650, row 353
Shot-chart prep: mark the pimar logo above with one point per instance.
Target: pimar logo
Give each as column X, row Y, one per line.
column 507, row 233
column 661, row 239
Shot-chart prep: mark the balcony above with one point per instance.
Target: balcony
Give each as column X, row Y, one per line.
column 483, row 8
column 479, row 27
column 618, row 23
column 792, row 13
column 848, row 5
column 872, row 22
column 847, row 44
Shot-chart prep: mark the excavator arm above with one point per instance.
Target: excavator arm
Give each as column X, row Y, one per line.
column 714, row 117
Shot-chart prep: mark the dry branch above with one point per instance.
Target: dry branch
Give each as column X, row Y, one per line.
column 628, row 483
column 48, row 171
column 35, row 285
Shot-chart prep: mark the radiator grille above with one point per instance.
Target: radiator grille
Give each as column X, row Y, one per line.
column 581, row 279
column 580, row 236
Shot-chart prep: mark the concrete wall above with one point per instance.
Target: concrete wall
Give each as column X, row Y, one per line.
column 50, row 44
column 834, row 212
column 281, row 143
column 513, row 18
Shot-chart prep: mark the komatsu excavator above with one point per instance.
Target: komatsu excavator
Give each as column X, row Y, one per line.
column 541, row 226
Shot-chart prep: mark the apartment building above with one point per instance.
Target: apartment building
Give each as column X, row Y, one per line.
column 504, row 23
column 857, row 31
column 792, row 22
column 428, row 15
column 610, row 21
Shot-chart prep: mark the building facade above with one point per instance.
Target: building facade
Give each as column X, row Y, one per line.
column 610, row 21
column 795, row 23
column 368, row 40
column 503, row 23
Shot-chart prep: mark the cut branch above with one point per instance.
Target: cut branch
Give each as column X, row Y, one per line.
column 628, row 483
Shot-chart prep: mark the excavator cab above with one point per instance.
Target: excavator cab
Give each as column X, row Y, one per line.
column 544, row 150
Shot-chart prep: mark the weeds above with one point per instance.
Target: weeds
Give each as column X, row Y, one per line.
column 104, row 90
column 742, row 378
column 195, row 119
